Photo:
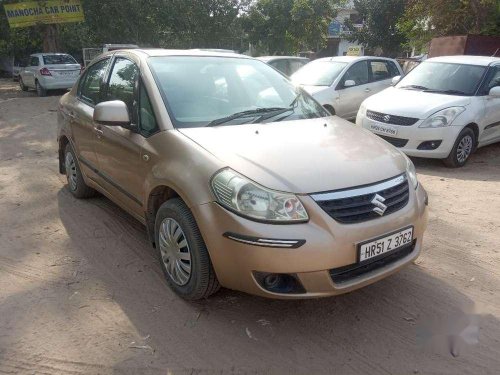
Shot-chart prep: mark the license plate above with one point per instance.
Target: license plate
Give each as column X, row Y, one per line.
column 383, row 129
column 71, row 73
column 388, row 243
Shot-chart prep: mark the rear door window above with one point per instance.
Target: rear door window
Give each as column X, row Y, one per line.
column 382, row 70
column 91, row 83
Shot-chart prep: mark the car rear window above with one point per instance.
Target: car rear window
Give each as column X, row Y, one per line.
column 58, row 59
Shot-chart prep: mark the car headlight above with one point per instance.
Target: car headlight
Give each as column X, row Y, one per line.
column 253, row 201
column 442, row 118
column 362, row 110
column 411, row 172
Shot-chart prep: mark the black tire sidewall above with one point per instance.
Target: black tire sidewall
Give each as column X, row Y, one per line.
column 177, row 210
column 40, row 90
column 82, row 190
column 452, row 160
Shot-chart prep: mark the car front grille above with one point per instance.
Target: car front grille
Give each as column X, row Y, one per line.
column 396, row 142
column 391, row 119
column 344, row 274
column 366, row 202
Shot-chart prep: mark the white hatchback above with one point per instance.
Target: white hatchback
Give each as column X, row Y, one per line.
column 444, row 109
column 49, row 71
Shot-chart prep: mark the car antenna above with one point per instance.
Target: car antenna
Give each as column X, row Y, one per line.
column 494, row 55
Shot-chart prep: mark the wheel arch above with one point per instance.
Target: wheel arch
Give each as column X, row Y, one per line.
column 63, row 141
column 475, row 128
column 159, row 195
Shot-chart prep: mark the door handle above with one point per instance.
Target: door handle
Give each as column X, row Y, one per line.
column 367, row 90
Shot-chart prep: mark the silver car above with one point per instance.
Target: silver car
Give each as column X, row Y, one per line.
column 49, row 71
column 342, row 83
column 285, row 64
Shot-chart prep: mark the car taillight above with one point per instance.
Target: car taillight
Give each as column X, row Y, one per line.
column 45, row 72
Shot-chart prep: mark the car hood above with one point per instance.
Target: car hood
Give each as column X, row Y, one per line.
column 412, row 103
column 303, row 156
column 314, row 89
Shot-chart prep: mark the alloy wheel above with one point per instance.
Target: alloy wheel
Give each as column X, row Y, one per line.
column 70, row 165
column 175, row 252
column 464, row 148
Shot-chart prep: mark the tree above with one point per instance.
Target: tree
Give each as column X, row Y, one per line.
column 426, row 19
column 381, row 29
column 286, row 26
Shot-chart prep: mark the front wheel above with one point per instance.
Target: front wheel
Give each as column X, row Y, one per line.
column 22, row 85
column 183, row 255
column 40, row 90
column 462, row 149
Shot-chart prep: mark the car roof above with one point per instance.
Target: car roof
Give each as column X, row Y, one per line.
column 349, row 59
column 271, row 58
column 466, row 59
column 157, row 52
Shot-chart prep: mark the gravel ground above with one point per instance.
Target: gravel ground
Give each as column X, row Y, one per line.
column 81, row 291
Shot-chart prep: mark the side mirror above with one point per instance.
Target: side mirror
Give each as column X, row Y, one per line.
column 112, row 113
column 396, row 80
column 349, row 83
column 495, row 92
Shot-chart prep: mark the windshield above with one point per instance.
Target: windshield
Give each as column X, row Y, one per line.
column 58, row 59
column 211, row 91
column 318, row 73
column 446, row 78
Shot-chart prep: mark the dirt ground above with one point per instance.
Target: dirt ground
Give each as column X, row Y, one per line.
column 81, row 291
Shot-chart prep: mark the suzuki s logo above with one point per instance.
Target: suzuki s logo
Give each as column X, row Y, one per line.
column 378, row 202
column 387, row 118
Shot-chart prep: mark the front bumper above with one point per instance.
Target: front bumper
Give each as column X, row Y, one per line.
column 329, row 245
column 416, row 136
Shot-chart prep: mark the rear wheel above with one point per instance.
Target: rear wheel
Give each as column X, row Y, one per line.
column 462, row 149
column 76, row 183
column 183, row 255
column 22, row 85
column 40, row 90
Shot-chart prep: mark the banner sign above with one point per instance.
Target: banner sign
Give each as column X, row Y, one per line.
column 50, row 11
column 354, row 51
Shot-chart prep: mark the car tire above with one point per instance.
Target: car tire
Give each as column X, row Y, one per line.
column 462, row 149
column 76, row 183
column 184, row 258
column 40, row 90
column 22, row 85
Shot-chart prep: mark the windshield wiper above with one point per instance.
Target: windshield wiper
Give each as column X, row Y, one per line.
column 450, row 92
column 414, row 87
column 252, row 112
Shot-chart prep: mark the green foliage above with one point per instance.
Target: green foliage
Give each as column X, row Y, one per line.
column 287, row 26
column 381, row 28
column 148, row 23
column 426, row 19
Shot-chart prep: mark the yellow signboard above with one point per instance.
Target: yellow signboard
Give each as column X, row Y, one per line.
column 50, row 11
column 354, row 51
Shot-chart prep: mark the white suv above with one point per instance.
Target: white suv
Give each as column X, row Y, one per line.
column 444, row 109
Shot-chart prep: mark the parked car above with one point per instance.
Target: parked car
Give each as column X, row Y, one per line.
column 445, row 108
column 285, row 64
column 341, row 83
column 49, row 71
column 241, row 178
